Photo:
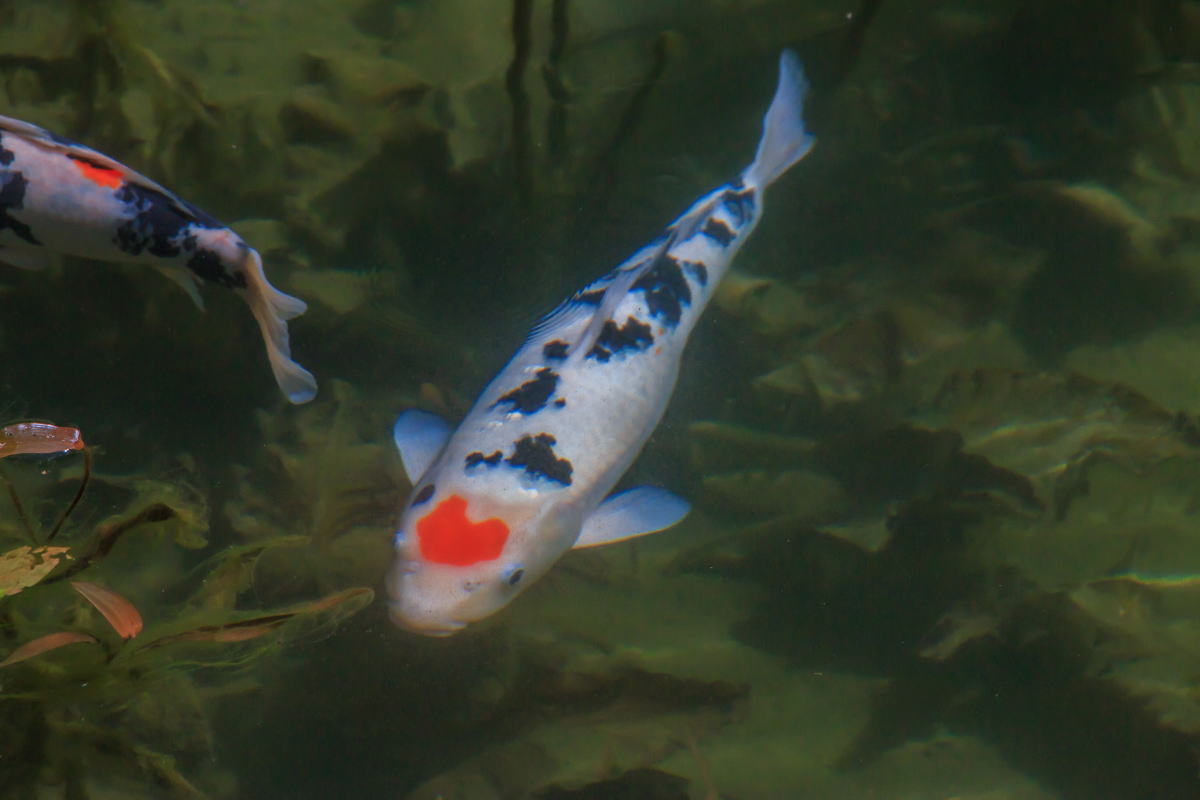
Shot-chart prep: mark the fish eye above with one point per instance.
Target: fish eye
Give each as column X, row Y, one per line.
column 423, row 495
column 514, row 576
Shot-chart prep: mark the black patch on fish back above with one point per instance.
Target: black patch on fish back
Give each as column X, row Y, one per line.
column 477, row 458
column 12, row 197
column 154, row 225
column 530, row 397
column 6, row 155
column 556, row 349
column 633, row 335
column 560, row 402
column 208, row 265
column 718, row 231
column 423, row 495
column 739, row 204
column 697, row 271
column 666, row 289
column 536, row 455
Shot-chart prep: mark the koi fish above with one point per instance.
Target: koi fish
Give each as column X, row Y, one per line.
column 60, row 198
column 38, row 438
column 527, row 475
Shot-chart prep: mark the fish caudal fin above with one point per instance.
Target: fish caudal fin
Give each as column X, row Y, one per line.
column 271, row 309
column 784, row 140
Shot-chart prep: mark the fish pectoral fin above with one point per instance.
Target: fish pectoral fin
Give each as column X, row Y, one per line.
column 186, row 280
column 420, row 437
column 635, row 512
column 28, row 259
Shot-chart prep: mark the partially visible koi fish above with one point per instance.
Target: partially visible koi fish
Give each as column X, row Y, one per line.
column 59, row 198
column 38, row 438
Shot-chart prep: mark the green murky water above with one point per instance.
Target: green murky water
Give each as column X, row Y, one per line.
column 939, row 427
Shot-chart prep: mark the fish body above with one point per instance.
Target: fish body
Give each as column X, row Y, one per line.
column 527, row 474
column 60, row 198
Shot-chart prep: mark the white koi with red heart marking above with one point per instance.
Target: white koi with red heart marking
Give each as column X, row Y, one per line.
column 526, row 476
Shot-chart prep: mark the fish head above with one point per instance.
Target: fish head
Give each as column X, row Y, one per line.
column 460, row 559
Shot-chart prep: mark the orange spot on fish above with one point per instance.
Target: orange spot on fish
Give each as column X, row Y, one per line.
column 104, row 176
column 446, row 535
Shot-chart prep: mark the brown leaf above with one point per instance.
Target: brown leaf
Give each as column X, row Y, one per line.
column 38, row 438
column 333, row 600
column 233, row 632
column 247, row 629
column 43, row 644
column 119, row 612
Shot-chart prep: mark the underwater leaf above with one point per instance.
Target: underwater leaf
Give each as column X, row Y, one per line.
column 178, row 503
column 26, row 566
column 358, row 597
column 956, row 628
column 119, row 612
column 38, row 438
column 347, row 602
column 242, row 631
column 44, row 644
column 230, row 572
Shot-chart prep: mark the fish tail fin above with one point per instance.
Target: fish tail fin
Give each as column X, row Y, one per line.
column 272, row 308
column 784, row 140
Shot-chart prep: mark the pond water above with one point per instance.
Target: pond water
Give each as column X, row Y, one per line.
column 937, row 426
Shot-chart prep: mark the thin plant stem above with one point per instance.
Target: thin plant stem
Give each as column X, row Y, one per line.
column 19, row 507
column 83, row 483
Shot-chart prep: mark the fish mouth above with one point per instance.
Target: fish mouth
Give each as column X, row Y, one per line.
column 438, row 629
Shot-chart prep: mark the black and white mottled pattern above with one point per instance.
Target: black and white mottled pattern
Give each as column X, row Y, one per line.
column 535, row 454
column 633, row 336
column 531, row 397
column 12, row 198
column 477, row 458
column 555, row 350
column 719, row 231
column 666, row 290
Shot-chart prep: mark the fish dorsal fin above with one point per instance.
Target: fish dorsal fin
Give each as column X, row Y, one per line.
column 636, row 512
column 50, row 141
column 567, row 313
column 420, row 437
column 622, row 279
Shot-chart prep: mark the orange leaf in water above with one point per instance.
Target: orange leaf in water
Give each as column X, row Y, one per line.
column 38, row 437
column 42, row 644
column 119, row 612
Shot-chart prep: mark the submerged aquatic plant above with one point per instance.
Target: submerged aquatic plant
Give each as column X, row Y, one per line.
column 85, row 691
